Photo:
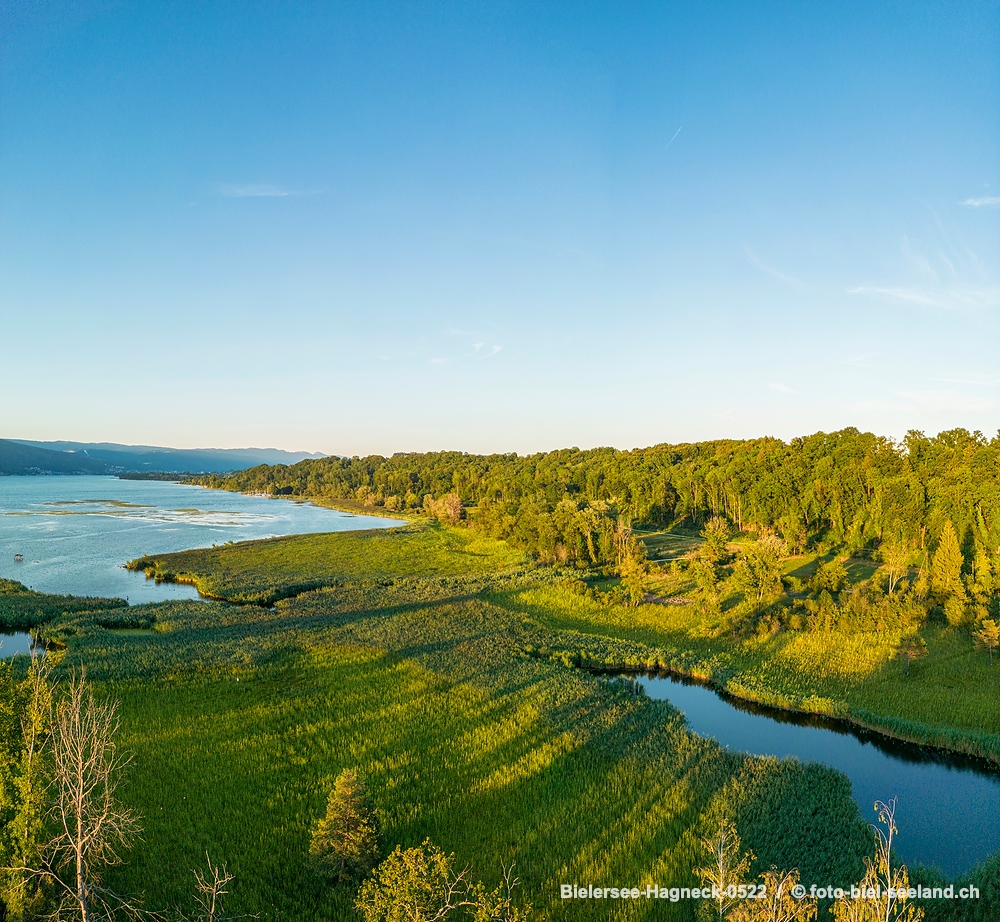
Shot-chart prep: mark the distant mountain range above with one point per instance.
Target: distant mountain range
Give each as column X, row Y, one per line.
column 19, row 456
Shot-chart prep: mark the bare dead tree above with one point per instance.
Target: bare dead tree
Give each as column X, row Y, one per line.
column 90, row 827
column 211, row 887
column 882, row 884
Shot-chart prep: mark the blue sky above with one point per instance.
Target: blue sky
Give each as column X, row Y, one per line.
column 503, row 226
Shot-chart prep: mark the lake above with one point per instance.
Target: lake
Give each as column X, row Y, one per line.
column 75, row 533
column 948, row 805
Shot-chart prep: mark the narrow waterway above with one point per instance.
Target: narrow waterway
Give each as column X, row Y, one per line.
column 948, row 805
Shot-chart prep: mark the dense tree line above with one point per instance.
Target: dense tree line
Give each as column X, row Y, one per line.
column 846, row 489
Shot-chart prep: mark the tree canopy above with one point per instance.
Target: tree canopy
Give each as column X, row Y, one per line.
column 846, row 489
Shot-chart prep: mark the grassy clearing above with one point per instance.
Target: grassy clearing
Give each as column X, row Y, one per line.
column 263, row 572
column 667, row 545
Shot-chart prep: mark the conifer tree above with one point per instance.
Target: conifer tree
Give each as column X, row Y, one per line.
column 988, row 635
column 946, row 575
column 345, row 841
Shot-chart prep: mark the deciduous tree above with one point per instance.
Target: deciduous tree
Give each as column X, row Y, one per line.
column 778, row 905
column 895, row 557
column 757, row 574
column 90, row 827
column 415, row 885
column 210, row 888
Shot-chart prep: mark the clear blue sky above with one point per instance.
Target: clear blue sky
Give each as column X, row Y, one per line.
column 499, row 226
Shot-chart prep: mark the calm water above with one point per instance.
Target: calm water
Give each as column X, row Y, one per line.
column 13, row 644
column 948, row 809
column 76, row 532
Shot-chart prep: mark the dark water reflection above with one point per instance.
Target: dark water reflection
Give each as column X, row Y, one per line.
column 948, row 805
column 14, row 644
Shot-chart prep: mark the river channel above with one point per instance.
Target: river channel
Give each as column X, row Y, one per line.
column 948, row 806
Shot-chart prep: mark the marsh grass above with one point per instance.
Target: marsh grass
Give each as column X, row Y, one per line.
column 435, row 664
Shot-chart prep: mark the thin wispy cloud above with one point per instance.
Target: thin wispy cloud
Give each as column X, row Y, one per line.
column 952, row 299
column 480, row 349
column 780, row 388
column 262, row 191
column 949, row 403
column 783, row 277
column 906, row 295
column 989, row 201
column 975, row 382
column 462, row 346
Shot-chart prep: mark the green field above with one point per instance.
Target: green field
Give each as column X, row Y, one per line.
column 948, row 698
column 263, row 572
column 435, row 663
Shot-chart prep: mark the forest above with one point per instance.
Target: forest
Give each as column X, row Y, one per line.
column 925, row 512
column 849, row 489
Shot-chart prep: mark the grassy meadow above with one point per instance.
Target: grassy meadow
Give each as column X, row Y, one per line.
column 438, row 664
column 947, row 699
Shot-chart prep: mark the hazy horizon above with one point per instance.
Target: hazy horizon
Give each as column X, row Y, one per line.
column 447, row 448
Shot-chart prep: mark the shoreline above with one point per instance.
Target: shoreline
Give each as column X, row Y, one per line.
column 988, row 758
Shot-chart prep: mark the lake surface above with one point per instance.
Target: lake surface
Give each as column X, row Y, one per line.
column 948, row 809
column 75, row 533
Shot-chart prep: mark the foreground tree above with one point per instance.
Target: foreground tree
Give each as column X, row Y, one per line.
column 726, row 866
column 210, row 888
column 89, row 825
column 423, row 885
column 24, row 772
column 345, row 841
column 498, row 905
column 882, row 882
column 779, row 905
column 415, row 885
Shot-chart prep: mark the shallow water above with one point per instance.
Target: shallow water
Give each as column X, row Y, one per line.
column 75, row 533
column 14, row 644
column 948, row 809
